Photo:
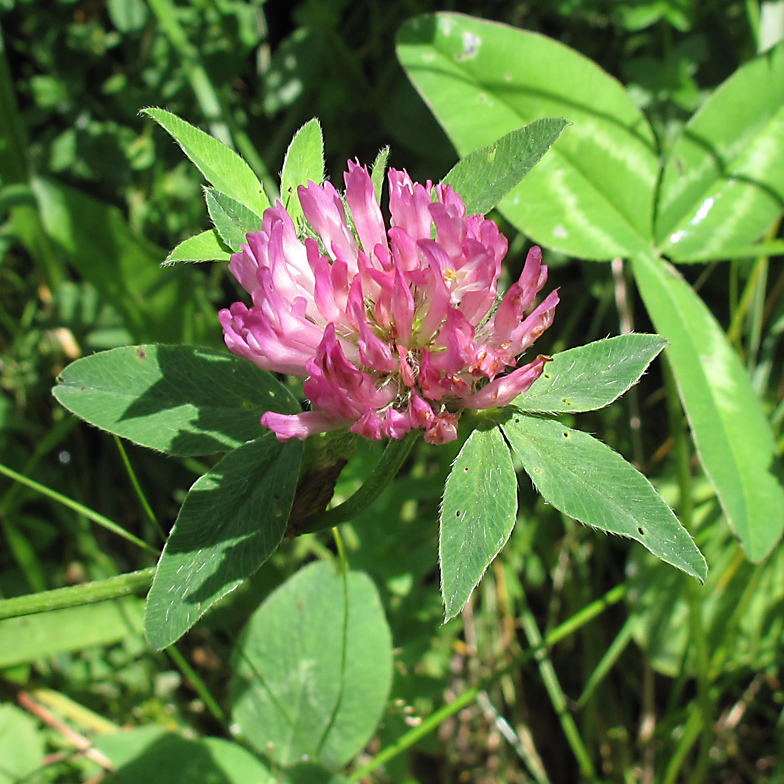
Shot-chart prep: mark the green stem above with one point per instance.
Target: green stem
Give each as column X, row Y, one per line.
column 199, row 686
column 607, row 662
column 105, row 522
column 413, row 735
column 690, row 734
column 432, row 722
column 385, row 471
column 753, row 17
column 77, row 595
column 556, row 694
column 138, row 489
column 696, row 627
column 342, row 560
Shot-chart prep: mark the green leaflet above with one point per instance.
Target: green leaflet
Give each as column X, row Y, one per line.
column 207, row 246
column 477, row 515
column 232, row 519
column 591, row 376
column 592, row 195
column 585, row 479
column 486, row 175
column 723, row 183
column 181, row 400
column 304, row 162
column 221, row 167
column 314, row 668
column 233, row 221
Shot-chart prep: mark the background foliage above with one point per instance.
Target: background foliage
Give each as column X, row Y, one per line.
column 671, row 682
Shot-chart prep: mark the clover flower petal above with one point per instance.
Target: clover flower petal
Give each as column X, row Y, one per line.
column 393, row 329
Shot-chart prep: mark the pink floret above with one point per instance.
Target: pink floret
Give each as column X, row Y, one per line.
column 393, row 329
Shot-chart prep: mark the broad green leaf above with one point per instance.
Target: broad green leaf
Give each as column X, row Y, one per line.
column 313, row 668
column 207, row 246
column 221, row 167
column 723, row 184
column 154, row 756
column 182, row 400
column 585, row 479
column 486, row 175
column 304, row 162
column 123, row 267
column 232, row 520
column 772, row 248
column 591, row 376
column 232, row 220
column 592, row 195
column 729, row 427
column 477, row 515
column 21, row 745
column 30, row 637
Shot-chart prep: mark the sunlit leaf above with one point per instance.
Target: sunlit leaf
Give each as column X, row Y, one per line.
column 30, row 637
column 592, row 194
column 232, row 520
column 732, row 434
column 723, row 184
column 207, row 246
column 591, row 376
column 221, row 167
column 585, row 479
column 477, row 515
column 304, row 162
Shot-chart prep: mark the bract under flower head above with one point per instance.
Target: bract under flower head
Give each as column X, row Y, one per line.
column 393, row 329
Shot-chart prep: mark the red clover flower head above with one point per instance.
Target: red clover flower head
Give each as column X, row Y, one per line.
column 393, row 329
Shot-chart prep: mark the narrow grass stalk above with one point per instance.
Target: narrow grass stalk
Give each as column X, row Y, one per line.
column 697, row 633
column 555, row 692
column 76, row 712
column 77, row 595
column 432, row 722
column 104, row 522
column 199, row 686
column 753, row 294
column 689, row 737
column 611, row 656
column 138, row 489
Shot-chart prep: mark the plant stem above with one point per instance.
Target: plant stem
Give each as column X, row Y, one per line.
column 559, row 633
column 138, row 489
column 76, row 595
column 199, row 686
column 696, row 626
column 105, row 522
column 555, row 692
column 385, row 471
